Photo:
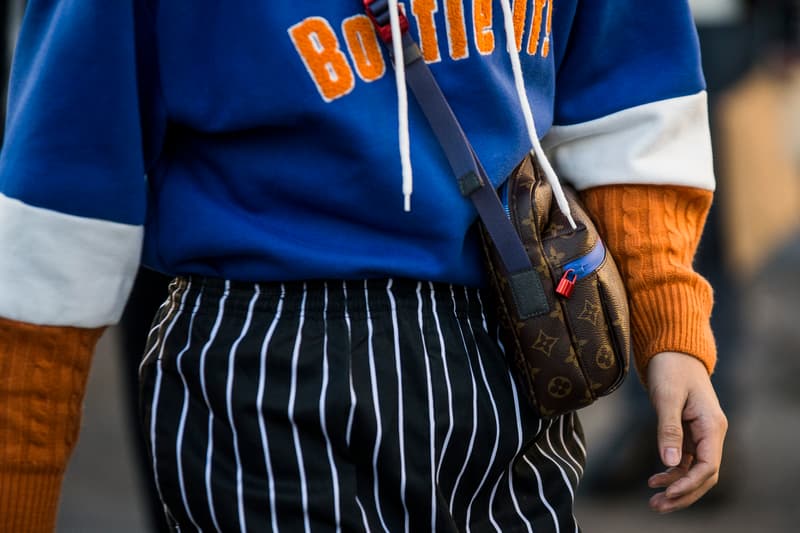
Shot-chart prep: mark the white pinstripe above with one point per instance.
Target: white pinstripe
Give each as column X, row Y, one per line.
column 494, row 411
column 262, row 378
column 483, row 313
column 353, row 401
column 446, row 370
column 400, row 411
column 578, row 440
column 146, row 357
column 564, row 476
column 468, row 331
column 155, row 328
column 575, row 461
column 519, row 439
column 229, row 394
column 184, row 411
column 431, row 424
column 491, row 503
column 376, row 402
column 210, row 446
column 474, row 407
column 157, row 388
column 298, row 451
column 364, row 521
column 556, row 454
column 518, row 416
column 541, row 493
column 322, row 418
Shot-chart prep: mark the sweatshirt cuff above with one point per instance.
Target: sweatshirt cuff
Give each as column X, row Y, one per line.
column 29, row 499
column 673, row 317
column 43, row 372
column 652, row 232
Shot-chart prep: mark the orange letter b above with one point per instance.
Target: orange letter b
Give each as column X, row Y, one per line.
column 318, row 46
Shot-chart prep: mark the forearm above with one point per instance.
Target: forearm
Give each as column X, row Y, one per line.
column 43, row 371
column 653, row 232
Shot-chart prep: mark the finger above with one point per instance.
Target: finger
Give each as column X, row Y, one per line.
column 709, row 437
column 664, row 479
column 696, row 477
column 661, row 503
column 708, row 452
column 669, row 407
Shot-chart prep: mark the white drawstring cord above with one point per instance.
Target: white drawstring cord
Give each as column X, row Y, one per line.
column 549, row 173
column 402, row 104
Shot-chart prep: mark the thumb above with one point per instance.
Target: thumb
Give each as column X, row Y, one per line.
column 669, row 408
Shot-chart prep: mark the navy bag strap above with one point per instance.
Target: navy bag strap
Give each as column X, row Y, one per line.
column 529, row 296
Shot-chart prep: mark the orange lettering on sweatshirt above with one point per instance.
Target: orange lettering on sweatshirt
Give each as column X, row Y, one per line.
column 423, row 11
column 319, row 49
column 456, row 29
column 546, row 44
column 520, row 10
column 365, row 50
column 536, row 26
column 482, row 24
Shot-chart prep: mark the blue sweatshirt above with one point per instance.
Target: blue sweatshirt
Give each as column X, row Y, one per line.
column 258, row 140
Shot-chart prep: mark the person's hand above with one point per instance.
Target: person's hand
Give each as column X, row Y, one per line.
column 691, row 429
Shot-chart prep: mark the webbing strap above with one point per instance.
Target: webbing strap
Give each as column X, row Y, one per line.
column 528, row 292
column 464, row 162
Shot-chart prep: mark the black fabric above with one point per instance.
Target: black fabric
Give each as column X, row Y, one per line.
column 529, row 297
column 377, row 405
column 148, row 293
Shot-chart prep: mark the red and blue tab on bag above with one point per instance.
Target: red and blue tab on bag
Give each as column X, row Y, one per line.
column 378, row 12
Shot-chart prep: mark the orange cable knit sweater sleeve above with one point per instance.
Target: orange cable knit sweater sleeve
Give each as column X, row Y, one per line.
column 653, row 232
column 43, row 372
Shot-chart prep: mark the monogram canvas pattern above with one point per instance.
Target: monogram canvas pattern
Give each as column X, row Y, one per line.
column 579, row 351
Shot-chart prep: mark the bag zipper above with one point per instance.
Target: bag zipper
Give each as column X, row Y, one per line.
column 581, row 267
column 503, row 194
column 576, row 269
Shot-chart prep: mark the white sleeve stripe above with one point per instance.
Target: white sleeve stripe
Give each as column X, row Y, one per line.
column 64, row 270
column 661, row 143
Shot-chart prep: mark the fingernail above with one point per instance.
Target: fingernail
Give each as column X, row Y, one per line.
column 672, row 457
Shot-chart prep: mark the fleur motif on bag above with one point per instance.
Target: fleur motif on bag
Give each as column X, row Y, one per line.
column 559, row 387
column 545, row 343
column 556, row 256
column 579, row 346
column 576, row 353
column 604, row 357
column 555, row 231
column 590, row 313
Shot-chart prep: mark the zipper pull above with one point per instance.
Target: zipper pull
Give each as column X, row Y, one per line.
column 567, row 283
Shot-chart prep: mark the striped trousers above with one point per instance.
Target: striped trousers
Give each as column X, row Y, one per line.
column 380, row 405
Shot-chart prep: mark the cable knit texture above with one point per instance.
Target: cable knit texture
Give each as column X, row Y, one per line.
column 653, row 232
column 43, row 371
